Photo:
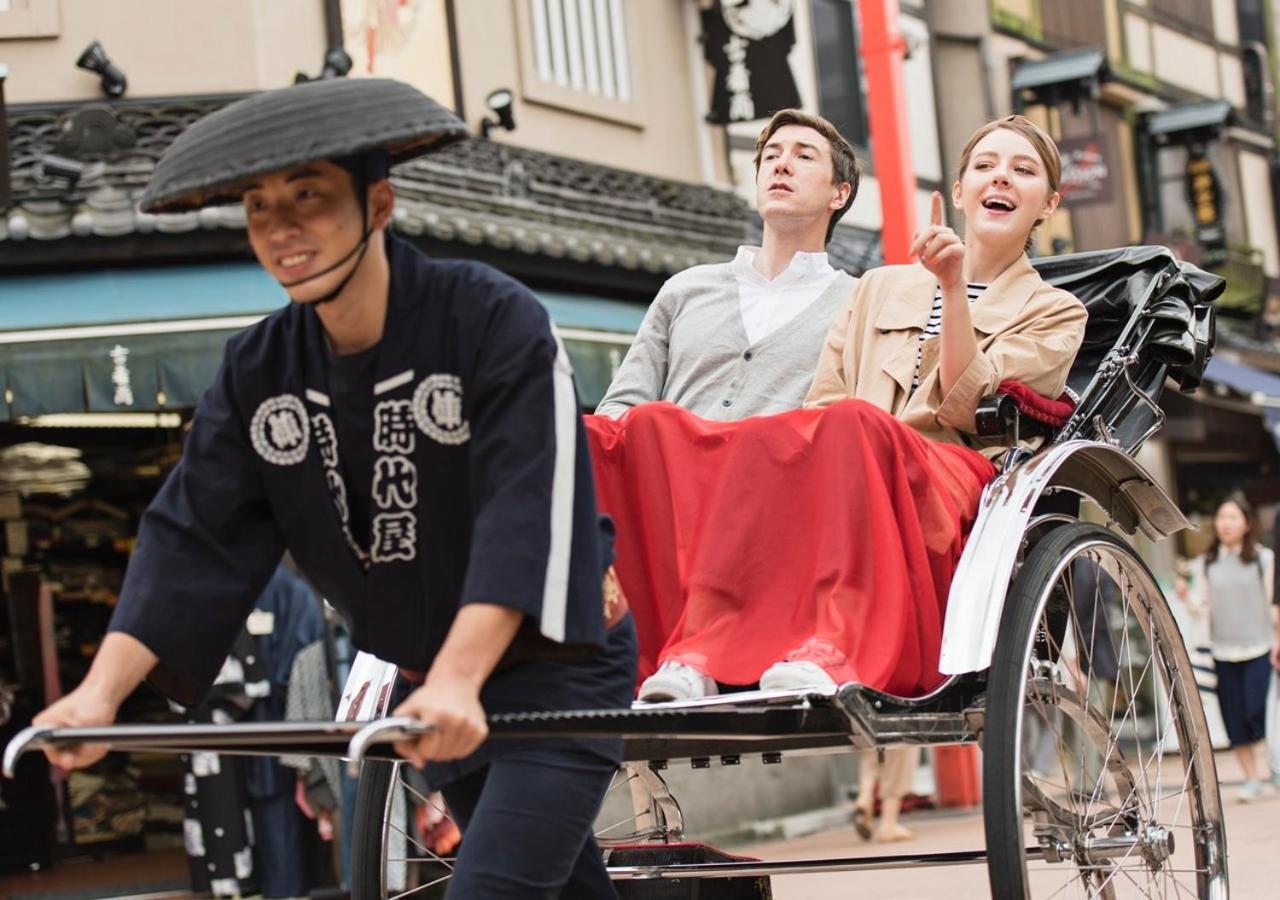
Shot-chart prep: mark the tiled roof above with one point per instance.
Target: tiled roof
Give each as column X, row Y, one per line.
column 483, row 192
column 477, row 191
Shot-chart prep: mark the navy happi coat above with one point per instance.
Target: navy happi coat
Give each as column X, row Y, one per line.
column 480, row 492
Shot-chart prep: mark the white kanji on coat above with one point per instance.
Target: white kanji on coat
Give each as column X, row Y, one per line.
column 394, row 536
column 326, row 438
column 338, row 491
column 393, row 427
column 395, row 482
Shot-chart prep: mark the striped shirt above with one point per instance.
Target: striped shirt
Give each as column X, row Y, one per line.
column 934, row 326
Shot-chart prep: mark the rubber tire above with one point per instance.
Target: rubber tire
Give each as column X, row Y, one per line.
column 1002, row 812
column 367, row 829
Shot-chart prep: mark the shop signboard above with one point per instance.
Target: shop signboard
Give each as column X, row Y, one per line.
column 1086, row 171
column 746, row 43
column 1204, row 194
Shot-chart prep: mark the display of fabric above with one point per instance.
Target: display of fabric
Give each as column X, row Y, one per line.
column 285, row 619
column 309, row 699
column 244, row 833
column 218, row 826
column 106, row 804
column 740, row 541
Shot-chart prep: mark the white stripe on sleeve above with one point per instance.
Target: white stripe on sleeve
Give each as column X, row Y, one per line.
column 555, row 595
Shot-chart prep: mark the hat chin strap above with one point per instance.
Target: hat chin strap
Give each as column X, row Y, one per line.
column 365, row 230
column 359, row 248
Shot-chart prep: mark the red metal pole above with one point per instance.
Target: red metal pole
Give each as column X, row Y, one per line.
column 883, row 49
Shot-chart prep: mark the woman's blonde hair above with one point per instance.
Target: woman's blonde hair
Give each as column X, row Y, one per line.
column 1040, row 141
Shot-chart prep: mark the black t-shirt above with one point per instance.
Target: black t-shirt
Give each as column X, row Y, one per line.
column 351, row 378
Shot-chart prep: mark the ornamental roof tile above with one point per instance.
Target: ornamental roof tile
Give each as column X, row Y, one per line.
column 78, row 171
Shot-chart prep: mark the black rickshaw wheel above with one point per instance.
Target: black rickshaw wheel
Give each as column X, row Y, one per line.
column 390, row 860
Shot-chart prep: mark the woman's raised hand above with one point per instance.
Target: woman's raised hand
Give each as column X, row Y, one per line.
column 940, row 249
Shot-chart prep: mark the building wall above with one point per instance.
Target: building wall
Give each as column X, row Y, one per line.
column 1203, row 62
column 165, row 48
column 1162, row 53
column 654, row 130
column 1259, row 214
column 962, row 84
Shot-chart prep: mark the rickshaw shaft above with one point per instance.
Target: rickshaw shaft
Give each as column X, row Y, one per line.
column 803, row 866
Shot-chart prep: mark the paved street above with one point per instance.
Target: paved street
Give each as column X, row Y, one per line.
column 1251, row 835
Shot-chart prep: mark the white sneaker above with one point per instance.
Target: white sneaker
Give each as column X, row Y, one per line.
column 795, row 676
column 1250, row 791
column 676, row 681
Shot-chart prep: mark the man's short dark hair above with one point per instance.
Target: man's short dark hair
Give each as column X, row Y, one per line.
column 844, row 165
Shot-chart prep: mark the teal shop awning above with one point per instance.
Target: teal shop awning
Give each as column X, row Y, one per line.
column 151, row 339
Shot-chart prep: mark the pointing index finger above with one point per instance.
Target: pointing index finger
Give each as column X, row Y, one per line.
column 935, row 212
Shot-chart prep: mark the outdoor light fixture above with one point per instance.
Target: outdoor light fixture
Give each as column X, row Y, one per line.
column 500, row 102
column 337, row 63
column 94, row 58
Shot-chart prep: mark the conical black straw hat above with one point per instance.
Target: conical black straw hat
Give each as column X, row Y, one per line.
column 318, row 120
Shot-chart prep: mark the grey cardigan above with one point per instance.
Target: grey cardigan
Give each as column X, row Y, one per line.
column 692, row 350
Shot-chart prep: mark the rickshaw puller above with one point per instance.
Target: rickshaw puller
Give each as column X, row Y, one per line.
column 408, row 428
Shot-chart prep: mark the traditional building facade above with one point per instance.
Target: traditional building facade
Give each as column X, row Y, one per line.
column 1165, row 113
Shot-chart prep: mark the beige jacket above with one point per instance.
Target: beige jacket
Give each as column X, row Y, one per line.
column 1027, row 331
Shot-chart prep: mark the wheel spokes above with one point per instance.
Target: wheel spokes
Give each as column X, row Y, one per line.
column 1108, row 791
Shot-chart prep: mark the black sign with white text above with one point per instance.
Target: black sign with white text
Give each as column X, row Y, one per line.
column 746, row 43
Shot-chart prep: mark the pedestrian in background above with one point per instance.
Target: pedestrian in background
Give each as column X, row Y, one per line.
column 895, row 776
column 1233, row 584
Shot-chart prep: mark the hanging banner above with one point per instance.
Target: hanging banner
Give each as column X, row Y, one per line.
column 1086, row 171
column 1204, row 193
column 746, row 43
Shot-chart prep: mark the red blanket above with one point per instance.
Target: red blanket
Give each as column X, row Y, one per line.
column 739, row 541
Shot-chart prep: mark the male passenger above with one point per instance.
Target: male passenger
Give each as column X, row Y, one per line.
column 731, row 340
column 739, row 339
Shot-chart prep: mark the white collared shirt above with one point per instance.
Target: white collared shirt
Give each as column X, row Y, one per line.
column 768, row 305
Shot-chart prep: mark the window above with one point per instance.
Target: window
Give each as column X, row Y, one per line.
column 835, row 47
column 1082, row 23
column 1194, row 15
column 582, row 45
column 30, row 18
column 1254, row 60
